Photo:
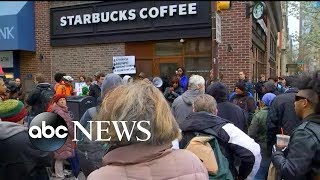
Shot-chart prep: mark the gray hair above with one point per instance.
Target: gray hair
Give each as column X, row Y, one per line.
column 205, row 102
column 195, row 81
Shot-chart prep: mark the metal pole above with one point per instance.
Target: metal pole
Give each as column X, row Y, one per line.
column 214, row 42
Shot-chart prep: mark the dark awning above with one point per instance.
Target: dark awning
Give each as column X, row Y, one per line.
column 17, row 25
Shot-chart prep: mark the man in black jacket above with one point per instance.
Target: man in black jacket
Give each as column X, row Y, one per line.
column 227, row 110
column 19, row 158
column 95, row 89
column 234, row 142
column 302, row 159
column 282, row 115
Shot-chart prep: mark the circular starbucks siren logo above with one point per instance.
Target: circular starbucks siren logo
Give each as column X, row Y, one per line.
column 48, row 131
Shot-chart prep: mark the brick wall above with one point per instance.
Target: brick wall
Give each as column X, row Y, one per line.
column 85, row 60
column 54, row 4
column 30, row 61
column 236, row 31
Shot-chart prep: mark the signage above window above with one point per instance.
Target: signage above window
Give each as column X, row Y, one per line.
column 128, row 21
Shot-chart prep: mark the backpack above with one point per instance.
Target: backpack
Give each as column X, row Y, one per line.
column 46, row 96
column 206, row 147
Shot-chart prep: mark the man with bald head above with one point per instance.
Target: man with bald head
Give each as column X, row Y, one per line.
column 302, row 158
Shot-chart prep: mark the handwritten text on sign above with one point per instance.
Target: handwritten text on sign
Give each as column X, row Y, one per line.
column 124, row 65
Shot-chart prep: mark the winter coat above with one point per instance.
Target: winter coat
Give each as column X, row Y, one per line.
column 281, row 114
column 184, row 82
column 67, row 150
column 258, row 129
column 35, row 99
column 141, row 161
column 258, row 88
column 20, row 160
column 233, row 113
column 232, row 141
column 171, row 96
column 182, row 105
column 302, row 160
column 94, row 91
column 64, row 89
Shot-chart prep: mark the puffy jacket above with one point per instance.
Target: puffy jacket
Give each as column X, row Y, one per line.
column 232, row 141
column 141, row 161
column 67, row 150
column 302, row 160
column 281, row 114
column 20, row 160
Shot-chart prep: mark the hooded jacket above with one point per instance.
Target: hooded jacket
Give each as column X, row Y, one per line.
column 141, row 161
column 35, row 99
column 182, row 105
column 20, row 160
column 232, row 140
column 281, row 114
column 302, row 160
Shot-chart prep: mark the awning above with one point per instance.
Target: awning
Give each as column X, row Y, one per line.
column 17, row 25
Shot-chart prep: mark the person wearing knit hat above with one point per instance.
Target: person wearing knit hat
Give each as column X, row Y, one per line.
column 17, row 163
column 258, row 131
column 67, row 150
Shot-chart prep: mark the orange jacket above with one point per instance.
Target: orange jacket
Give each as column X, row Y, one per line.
column 64, row 89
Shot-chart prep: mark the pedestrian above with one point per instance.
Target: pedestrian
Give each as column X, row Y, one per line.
column 182, row 105
column 245, row 78
column 233, row 141
column 59, row 106
column 95, row 89
column 258, row 131
column 3, row 90
column 154, row 158
column 227, row 110
column 65, row 86
column 19, row 159
column 300, row 159
column 173, row 91
column 58, row 77
column 259, row 84
column 183, row 78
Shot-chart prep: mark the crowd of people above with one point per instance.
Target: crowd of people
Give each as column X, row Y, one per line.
column 245, row 122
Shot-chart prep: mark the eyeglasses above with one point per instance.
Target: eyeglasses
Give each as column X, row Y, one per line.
column 298, row 98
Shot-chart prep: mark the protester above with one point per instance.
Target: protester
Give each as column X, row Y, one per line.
column 173, row 91
column 65, row 86
column 248, row 84
column 19, row 158
column 301, row 159
column 3, row 90
column 150, row 159
column 58, row 77
column 182, row 105
column 20, row 90
column 232, row 140
column 59, row 106
column 258, row 131
column 227, row 110
column 95, row 89
column 180, row 72
column 259, row 84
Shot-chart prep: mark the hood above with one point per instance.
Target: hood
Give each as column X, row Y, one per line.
column 219, row 91
column 270, row 87
column 198, row 121
column 9, row 129
column 43, row 85
column 190, row 95
column 135, row 154
column 110, row 81
column 292, row 90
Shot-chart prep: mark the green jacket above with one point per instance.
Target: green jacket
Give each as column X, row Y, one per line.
column 258, row 129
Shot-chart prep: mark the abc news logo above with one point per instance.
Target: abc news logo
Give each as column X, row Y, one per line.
column 49, row 131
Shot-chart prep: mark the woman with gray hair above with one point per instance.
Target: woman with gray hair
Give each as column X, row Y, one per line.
column 143, row 155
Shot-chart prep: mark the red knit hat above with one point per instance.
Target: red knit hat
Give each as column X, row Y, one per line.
column 57, row 97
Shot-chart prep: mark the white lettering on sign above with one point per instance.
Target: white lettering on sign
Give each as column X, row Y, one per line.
column 124, row 65
column 131, row 14
column 6, row 33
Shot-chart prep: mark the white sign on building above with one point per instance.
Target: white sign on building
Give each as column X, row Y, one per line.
column 6, row 59
column 124, row 65
column 218, row 28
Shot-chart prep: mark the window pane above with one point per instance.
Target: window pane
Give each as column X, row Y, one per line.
column 198, row 46
column 198, row 65
column 168, row 48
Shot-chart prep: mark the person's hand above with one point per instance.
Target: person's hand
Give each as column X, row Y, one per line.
column 171, row 89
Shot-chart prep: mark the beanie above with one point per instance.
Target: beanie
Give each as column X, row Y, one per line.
column 12, row 110
column 218, row 90
column 268, row 98
column 57, row 97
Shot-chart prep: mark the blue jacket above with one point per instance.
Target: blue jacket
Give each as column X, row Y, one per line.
column 184, row 82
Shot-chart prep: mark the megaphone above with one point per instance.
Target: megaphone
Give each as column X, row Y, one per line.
column 157, row 82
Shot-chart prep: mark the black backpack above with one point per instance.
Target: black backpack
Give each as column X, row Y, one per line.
column 46, row 96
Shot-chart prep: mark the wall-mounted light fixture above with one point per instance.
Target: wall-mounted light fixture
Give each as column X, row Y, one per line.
column 182, row 40
column 229, row 48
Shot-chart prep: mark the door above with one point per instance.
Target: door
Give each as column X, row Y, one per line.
column 166, row 67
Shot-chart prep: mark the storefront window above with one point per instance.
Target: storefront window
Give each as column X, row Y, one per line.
column 198, row 47
column 198, row 65
column 168, row 49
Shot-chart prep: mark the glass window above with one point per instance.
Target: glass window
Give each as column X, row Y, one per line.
column 198, row 47
column 198, row 65
column 168, row 48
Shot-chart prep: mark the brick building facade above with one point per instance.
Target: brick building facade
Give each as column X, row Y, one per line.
column 239, row 50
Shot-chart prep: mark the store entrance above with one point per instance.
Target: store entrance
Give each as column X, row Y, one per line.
column 166, row 67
